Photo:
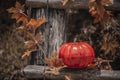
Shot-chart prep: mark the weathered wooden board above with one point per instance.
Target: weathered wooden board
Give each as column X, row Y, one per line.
column 77, row 4
column 34, row 71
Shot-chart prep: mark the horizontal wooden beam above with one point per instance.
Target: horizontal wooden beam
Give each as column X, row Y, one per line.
column 56, row 4
column 77, row 4
column 34, row 71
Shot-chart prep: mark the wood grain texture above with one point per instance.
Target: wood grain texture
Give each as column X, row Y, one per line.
column 77, row 4
column 34, row 71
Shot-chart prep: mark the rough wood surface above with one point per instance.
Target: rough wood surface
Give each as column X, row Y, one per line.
column 77, row 4
column 34, row 71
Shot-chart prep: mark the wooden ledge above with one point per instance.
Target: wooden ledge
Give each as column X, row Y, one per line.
column 77, row 4
column 35, row 72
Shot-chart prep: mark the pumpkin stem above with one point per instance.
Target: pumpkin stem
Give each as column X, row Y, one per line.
column 75, row 39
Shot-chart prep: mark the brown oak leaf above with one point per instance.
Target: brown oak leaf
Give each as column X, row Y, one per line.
column 20, row 17
column 33, row 24
column 64, row 2
column 30, row 44
column 39, row 38
column 26, row 33
column 68, row 77
column 18, row 13
column 54, row 61
column 26, row 54
column 97, row 10
column 106, row 2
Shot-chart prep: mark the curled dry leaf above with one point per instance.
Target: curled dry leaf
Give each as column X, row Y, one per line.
column 55, row 72
column 92, row 66
column 98, row 63
column 54, row 61
column 97, row 10
column 92, row 1
column 68, row 77
column 26, row 33
column 20, row 17
column 106, row 2
column 21, row 28
column 93, row 12
column 101, row 63
column 33, row 24
column 30, row 44
column 17, row 9
column 26, row 54
column 39, row 38
column 19, row 6
column 12, row 10
column 64, row 2
column 17, row 13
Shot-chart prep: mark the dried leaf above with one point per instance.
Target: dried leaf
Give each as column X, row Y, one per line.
column 98, row 11
column 97, row 19
column 92, row 66
column 106, row 14
column 39, row 38
column 17, row 9
column 22, row 18
column 12, row 10
column 18, row 13
column 49, row 62
column 19, row 6
column 54, row 61
column 102, row 63
column 21, row 28
column 64, row 2
column 29, row 35
column 30, row 44
column 92, row 4
column 92, row 0
column 94, row 13
column 26, row 33
column 68, row 77
column 55, row 72
column 55, row 55
column 40, row 22
column 26, row 54
column 106, row 2
column 16, row 16
column 33, row 24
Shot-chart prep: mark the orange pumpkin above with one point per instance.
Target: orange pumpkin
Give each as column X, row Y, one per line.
column 76, row 55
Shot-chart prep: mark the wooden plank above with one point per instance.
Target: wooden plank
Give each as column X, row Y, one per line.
column 77, row 4
column 110, row 74
column 34, row 71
